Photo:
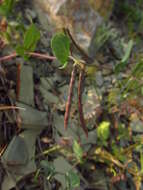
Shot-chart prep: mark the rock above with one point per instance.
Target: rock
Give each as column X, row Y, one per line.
column 114, row 80
column 9, row 156
column 99, row 79
column 46, row 83
column 107, row 79
column 48, row 97
column 137, row 126
column 57, row 78
column 18, row 158
column 110, row 86
column 106, row 72
column 26, row 94
column 107, row 84
column 91, row 104
column 46, row 89
column 41, row 10
column 79, row 16
column 32, row 118
column 103, row 89
column 92, row 138
column 62, row 167
column 70, row 132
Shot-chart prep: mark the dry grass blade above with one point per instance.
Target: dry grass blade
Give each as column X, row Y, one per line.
column 3, row 108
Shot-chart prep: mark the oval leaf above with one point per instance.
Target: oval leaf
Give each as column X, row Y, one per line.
column 61, row 47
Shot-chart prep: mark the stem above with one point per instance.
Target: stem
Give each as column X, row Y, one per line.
column 8, row 57
column 70, row 94
column 46, row 152
column 85, row 55
column 42, row 56
column 33, row 54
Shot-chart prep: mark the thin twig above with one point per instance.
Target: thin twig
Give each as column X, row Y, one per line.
column 42, row 56
column 80, row 107
column 33, row 54
column 70, row 94
column 8, row 57
column 50, row 58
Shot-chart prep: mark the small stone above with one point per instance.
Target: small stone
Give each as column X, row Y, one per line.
column 137, row 126
column 114, row 80
column 108, row 79
column 103, row 89
column 99, row 79
column 110, row 86
column 106, row 72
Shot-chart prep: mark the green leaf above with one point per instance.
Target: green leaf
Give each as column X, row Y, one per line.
column 77, row 151
column 60, row 44
column 73, row 179
column 48, row 168
column 138, row 69
column 103, row 130
column 31, row 38
column 128, row 52
column 20, row 50
column 7, row 7
column 124, row 60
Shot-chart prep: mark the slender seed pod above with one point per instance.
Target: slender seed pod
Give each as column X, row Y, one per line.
column 70, row 94
column 80, row 107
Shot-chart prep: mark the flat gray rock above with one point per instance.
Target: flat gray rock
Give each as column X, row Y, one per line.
column 26, row 85
column 32, row 118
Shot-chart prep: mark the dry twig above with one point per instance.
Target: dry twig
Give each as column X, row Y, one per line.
column 33, row 54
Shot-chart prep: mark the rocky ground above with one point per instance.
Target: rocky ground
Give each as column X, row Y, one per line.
column 33, row 139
